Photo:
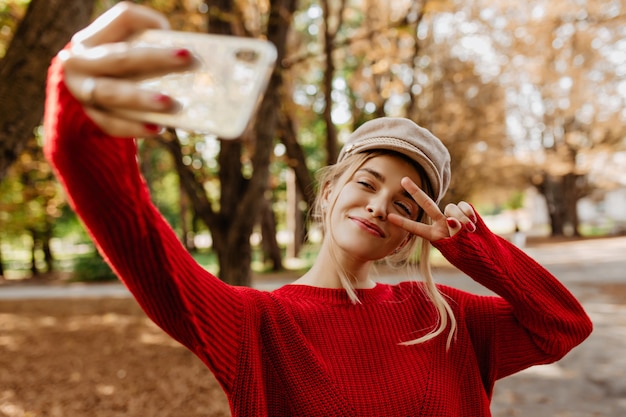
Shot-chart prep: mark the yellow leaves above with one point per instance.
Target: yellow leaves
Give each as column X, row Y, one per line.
column 440, row 6
column 381, row 66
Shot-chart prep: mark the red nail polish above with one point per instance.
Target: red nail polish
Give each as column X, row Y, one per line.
column 152, row 128
column 162, row 98
column 470, row 227
column 452, row 223
column 182, row 53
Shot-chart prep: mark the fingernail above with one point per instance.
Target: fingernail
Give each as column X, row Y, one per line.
column 161, row 98
column 152, row 128
column 452, row 223
column 470, row 226
column 182, row 54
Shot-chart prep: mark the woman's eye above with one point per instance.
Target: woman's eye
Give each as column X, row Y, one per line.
column 365, row 184
column 405, row 208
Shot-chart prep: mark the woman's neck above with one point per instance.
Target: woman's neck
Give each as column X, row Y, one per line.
column 326, row 271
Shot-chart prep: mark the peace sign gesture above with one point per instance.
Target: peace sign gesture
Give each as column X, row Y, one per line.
column 443, row 225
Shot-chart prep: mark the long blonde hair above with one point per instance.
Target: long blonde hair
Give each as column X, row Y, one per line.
column 338, row 175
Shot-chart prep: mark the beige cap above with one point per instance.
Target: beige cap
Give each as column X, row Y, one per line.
column 406, row 137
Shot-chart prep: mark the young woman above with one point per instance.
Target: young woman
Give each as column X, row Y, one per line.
column 333, row 343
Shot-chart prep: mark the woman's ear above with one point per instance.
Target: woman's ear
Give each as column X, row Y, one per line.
column 326, row 192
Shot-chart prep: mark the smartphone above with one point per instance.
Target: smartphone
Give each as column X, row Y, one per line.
column 219, row 94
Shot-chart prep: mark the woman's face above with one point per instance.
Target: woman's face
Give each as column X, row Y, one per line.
column 358, row 221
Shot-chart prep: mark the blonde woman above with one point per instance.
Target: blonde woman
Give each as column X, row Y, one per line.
column 335, row 342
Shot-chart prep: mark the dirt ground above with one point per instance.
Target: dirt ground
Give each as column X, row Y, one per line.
column 101, row 357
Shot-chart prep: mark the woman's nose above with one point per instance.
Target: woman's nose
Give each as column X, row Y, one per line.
column 377, row 208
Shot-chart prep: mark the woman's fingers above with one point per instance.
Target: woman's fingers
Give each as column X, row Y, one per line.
column 461, row 211
column 99, row 76
column 422, row 199
column 105, row 92
column 417, row 228
column 117, row 127
column 118, row 23
column 456, row 217
column 463, row 214
column 101, row 69
column 454, row 226
column 468, row 210
column 122, row 60
column 432, row 232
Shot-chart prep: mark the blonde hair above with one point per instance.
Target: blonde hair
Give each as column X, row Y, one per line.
column 338, row 175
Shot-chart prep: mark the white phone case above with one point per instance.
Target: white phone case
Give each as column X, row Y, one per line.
column 219, row 95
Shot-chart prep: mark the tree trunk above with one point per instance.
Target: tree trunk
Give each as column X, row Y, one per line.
column 187, row 235
column 562, row 195
column 297, row 158
column 34, row 271
column 235, row 264
column 146, row 152
column 45, row 246
column 239, row 208
column 269, row 243
column 295, row 218
column 417, row 12
column 231, row 240
column 329, row 74
column 300, row 184
column 331, row 132
column 1, row 263
column 572, row 191
column 47, row 26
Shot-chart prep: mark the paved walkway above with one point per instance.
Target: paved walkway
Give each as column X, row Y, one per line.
column 588, row 382
column 587, row 262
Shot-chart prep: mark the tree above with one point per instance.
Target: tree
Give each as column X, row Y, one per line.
column 402, row 69
column 30, row 204
column 243, row 164
column 47, row 26
column 467, row 114
column 332, row 25
column 563, row 87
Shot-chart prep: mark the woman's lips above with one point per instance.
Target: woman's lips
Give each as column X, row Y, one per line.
column 368, row 226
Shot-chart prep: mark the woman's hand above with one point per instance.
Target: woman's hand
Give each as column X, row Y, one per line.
column 99, row 66
column 456, row 217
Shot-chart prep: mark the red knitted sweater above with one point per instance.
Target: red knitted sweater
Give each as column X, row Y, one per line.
column 306, row 351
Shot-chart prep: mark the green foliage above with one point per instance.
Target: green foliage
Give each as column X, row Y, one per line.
column 516, row 201
column 92, row 268
column 158, row 170
column 11, row 12
column 30, row 197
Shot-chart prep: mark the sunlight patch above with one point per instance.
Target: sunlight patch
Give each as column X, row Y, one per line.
column 550, row 371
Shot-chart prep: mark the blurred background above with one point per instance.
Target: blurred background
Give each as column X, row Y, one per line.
column 529, row 97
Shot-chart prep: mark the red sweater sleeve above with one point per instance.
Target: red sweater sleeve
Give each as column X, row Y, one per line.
column 536, row 320
column 102, row 180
